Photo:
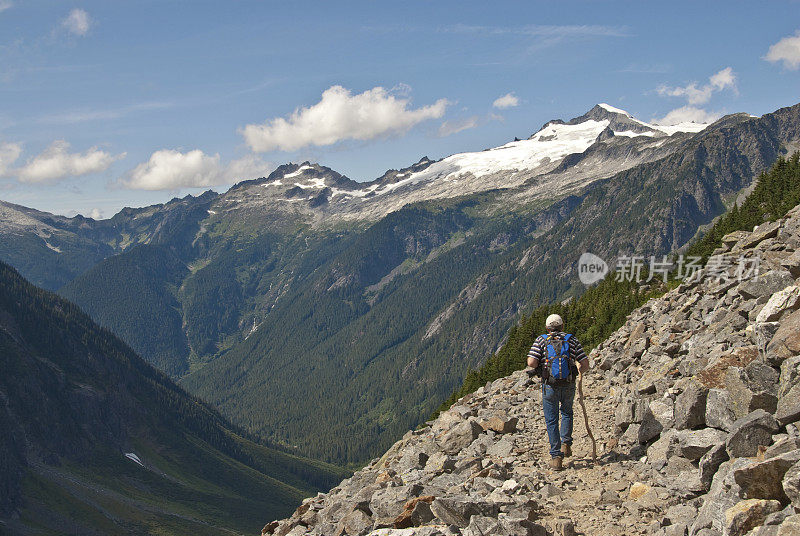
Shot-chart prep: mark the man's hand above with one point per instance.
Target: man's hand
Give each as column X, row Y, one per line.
column 583, row 366
column 533, row 362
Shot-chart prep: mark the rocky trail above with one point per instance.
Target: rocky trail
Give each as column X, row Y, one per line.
column 694, row 404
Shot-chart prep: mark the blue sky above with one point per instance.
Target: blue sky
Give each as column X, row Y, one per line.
column 111, row 104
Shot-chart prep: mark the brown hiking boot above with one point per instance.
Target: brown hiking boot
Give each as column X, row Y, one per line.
column 556, row 463
column 566, row 450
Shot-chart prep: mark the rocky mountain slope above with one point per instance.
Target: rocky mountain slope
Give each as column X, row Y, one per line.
column 695, row 403
column 93, row 440
column 272, row 295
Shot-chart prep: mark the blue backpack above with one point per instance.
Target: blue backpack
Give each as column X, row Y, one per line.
column 557, row 365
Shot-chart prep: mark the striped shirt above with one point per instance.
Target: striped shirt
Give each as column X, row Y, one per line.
column 539, row 348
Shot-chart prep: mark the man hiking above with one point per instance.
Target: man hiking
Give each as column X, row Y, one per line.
column 561, row 356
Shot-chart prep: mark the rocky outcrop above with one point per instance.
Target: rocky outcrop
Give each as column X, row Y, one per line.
column 694, row 402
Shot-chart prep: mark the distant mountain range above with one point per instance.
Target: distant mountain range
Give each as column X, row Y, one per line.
column 330, row 315
column 96, row 441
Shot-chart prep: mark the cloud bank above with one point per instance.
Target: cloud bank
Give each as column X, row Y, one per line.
column 509, row 100
column 56, row 162
column 696, row 95
column 724, row 79
column 787, row 50
column 339, row 116
column 171, row 170
column 687, row 114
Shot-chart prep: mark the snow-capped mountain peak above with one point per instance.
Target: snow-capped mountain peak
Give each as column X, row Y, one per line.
column 617, row 139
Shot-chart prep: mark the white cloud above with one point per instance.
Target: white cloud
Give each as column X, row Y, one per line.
column 448, row 128
column 77, row 22
column 247, row 167
column 170, row 170
column 786, row 50
column 338, row 116
column 5, row 4
column 687, row 114
column 509, row 100
column 9, row 152
column 724, row 79
column 96, row 214
column 56, row 162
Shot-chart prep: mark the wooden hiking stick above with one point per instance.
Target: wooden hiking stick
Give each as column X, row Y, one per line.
column 586, row 417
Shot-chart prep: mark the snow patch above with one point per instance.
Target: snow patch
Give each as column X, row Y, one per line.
column 54, row 248
column 680, row 127
column 297, row 172
column 133, row 457
column 633, row 133
column 211, row 211
column 611, row 109
column 315, row 183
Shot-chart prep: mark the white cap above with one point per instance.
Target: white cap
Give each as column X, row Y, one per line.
column 554, row 321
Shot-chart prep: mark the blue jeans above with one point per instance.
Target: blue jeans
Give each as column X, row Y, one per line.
column 555, row 400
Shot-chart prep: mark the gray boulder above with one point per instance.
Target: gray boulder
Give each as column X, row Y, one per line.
column 762, row 480
column 791, row 485
column 460, row 436
column 750, row 432
column 780, row 303
column 690, row 407
column 710, row 462
column 458, row 510
column 782, row 446
column 751, row 388
column 766, row 285
column 786, row 341
column 746, row 515
column 693, row 444
column 390, row 502
column 788, row 408
column 650, row 427
column 356, row 523
column 719, row 413
column 790, row 375
column 664, row 412
column 440, row 463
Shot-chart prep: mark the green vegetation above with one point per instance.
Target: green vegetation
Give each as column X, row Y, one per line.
column 595, row 315
column 76, row 399
column 777, row 191
column 133, row 295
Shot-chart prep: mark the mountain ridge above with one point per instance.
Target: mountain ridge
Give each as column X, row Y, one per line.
column 97, row 441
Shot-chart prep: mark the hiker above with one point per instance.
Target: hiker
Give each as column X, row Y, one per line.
column 561, row 356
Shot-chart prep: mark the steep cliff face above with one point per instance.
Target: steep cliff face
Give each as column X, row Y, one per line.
column 694, row 402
